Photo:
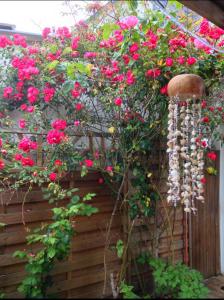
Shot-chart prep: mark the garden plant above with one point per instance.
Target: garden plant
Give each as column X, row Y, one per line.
column 108, row 80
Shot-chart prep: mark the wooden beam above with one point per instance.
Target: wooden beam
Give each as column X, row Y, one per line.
column 207, row 9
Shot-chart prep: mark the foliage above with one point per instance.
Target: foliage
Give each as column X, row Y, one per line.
column 106, row 81
column 55, row 239
column 175, row 281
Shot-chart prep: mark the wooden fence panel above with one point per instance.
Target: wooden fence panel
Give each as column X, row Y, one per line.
column 82, row 275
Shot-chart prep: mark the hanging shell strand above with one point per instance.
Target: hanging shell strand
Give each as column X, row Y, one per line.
column 185, row 154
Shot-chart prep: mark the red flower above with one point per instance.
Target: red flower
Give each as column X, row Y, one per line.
column 169, row 62
column 2, row 164
column 48, row 94
column 163, row 90
column 18, row 156
column 58, row 162
column 154, row 73
column 126, row 59
column 109, row 169
column 59, row 124
column 26, row 145
column 203, row 104
column 205, row 119
column 27, row 162
column 212, row 155
column 22, row 123
column 75, row 43
column 203, row 180
column 211, row 108
column 7, row 92
column 100, row 180
column 130, row 78
column 133, row 48
column 135, row 56
column 53, row 176
column 181, row 60
column 191, row 60
column 32, row 94
column 88, row 163
column 55, row 137
column 118, row 101
column 79, row 106
column 0, row 142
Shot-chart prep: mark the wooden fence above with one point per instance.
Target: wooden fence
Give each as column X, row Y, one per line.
column 83, row 274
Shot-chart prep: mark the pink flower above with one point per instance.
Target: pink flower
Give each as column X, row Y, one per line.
column 77, row 123
column 46, row 31
column 118, row 101
column 191, row 60
column 133, row 48
column 48, row 94
column 7, row 92
column 23, row 107
column 2, row 164
column 53, row 176
column 75, row 43
column 20, row 40
column 100, row 180
column 169, row 62
column 203, row 104
column 88, row 163
column 90, row 55
column 129, row 22
column 0, row 142
column 126, row 59
column 181, row 60
column 55, row 137
column 4, row 41
column 109, row 169
column 32, row 94
column 30, row 109
column 22, row 123
column 135, row 56
column 204, row 27
column 27, row 162
column 18, row 156
column 130, row 78
column 79, row 106
column 154, row 73
column 26, row 145
column 212, row 155
column 59, row 124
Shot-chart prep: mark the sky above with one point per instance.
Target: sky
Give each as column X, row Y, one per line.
column 33, row 16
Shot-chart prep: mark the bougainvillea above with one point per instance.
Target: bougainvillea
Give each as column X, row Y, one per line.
column 109, row 81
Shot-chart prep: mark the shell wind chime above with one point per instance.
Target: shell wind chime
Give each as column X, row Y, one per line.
column 186, row 162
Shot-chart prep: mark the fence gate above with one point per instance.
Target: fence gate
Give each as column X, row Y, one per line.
column 204, row 238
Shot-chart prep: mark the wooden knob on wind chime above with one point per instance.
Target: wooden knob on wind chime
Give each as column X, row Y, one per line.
column 186, row 86
column 186, row 163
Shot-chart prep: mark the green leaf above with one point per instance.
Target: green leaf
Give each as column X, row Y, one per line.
column 89, row 196
column 2, row 224
column 70, row 70
column 19, row 254
column 67, row 50
column 108, row 28
column 120, row 248
column 52, row 65
column 53, row 48
column 51, row 252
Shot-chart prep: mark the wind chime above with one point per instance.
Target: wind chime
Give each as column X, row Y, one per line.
column 185, row 152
